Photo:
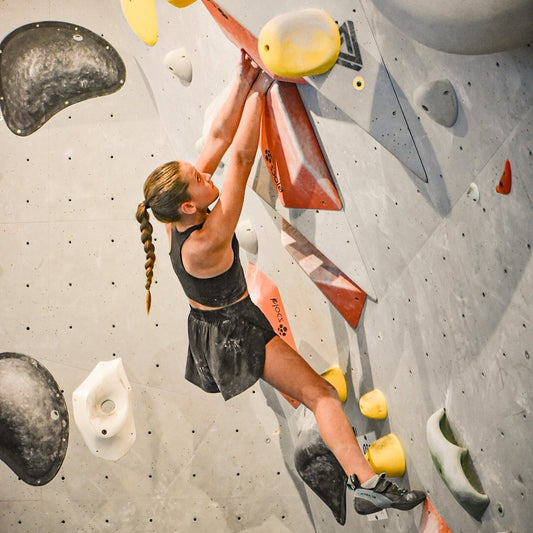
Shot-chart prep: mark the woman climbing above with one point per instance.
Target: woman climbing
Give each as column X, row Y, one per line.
column 231, row 343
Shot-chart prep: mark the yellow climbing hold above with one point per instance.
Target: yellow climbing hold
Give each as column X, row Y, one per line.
column 300, row 43
column 335, row 376
column 142, row 18
column 358, row 83
column 181, row 3
column 373, row 404
column 386, row 455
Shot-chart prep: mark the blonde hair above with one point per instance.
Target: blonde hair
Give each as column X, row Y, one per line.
column 164, row 192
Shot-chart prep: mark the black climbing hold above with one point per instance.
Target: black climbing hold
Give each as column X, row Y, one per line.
column 34, row 425
column 47, row 66
column 319, row 468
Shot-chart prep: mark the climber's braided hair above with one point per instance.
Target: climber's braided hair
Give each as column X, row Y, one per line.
column 164, row 192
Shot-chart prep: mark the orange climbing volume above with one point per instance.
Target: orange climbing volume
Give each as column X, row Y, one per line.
column 241, row 37
column 292, row 153
column 265, row 294
column 341, row 291
column 431, row 521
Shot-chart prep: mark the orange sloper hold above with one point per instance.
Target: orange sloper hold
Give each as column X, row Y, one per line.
column 504, row 187
column 240, row 36
column 431, row 521
column 342, row 292
column 292, row 153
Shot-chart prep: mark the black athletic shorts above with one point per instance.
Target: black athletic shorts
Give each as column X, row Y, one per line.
column 227, row 347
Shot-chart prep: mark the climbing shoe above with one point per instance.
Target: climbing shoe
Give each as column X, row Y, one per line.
column 381, row 493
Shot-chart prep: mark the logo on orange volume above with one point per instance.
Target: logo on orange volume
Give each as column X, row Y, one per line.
column 272, row 169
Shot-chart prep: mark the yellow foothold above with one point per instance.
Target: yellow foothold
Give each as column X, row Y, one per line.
column 373, row 404
column 300, row 43
column 358, row 83
column 335, row 376
column 386, row 455
column 142, row 18
column 181, row 3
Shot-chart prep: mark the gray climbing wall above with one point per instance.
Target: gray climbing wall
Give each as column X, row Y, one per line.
column 72, row 278
column 448, row 274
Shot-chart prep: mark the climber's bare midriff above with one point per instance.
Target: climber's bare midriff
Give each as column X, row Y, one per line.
column 201, row 307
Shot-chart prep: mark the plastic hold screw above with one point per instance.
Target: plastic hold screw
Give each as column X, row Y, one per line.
column 449, row 459
column 504, row 186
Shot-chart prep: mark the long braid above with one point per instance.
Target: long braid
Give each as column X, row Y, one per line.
column 164, row 192
column 146, row 237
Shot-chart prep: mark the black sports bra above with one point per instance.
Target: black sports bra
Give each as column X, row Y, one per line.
column 218, row 291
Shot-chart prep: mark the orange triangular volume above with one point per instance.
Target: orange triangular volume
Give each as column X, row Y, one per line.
column 341, row 291
column 265, row 294
column 504, row 187
column 241, row 37
column 431, row 521
column 292, row 153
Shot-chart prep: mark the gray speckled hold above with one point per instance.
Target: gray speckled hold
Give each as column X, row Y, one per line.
column 47, row 66
column 34, row 424
column 439, row 101
column 319, row 468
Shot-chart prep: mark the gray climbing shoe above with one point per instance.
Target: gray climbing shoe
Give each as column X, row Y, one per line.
column 383, row 495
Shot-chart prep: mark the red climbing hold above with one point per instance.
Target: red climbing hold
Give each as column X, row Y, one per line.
column 341, row 291
column 504, row 187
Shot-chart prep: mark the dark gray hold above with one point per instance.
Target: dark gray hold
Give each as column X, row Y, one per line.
column 34, row 424
column 439, row 101
column 47, row 66
column 319, row 468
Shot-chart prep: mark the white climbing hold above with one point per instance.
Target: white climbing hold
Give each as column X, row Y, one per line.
column 103, row 410
column 179, row 63
column 449, row 459
column 473, row 192
column 439, row 101
column 247, row 237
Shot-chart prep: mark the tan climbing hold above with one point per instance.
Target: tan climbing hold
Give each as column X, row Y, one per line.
column 335, row 376
column 142, row 18
column 300, row 43
column 373, row 404
column 386, row 455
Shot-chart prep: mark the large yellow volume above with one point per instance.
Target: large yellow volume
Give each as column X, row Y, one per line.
column 142, row 18
column 300, row 43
